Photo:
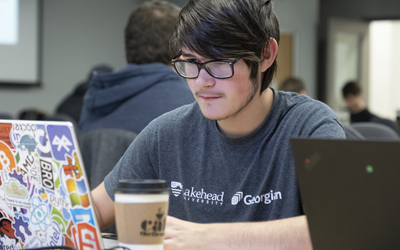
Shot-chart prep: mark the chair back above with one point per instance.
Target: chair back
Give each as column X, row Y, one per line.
column 101, row 150
column 376, row 131
column 352, row 134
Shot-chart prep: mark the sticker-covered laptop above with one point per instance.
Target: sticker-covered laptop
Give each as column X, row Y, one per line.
column 44, row 194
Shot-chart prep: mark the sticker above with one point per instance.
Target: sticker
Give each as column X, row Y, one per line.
column 7, row 160
column 40, row 214
column 85, row 237
column 43, row 146
column 27, row 142
column 5, row 130
column 22, row 228
column 14, row 189
column 61, row 141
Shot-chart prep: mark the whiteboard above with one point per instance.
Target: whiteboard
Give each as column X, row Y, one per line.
column 19, row 42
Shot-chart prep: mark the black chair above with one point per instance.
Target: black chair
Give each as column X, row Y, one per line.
column 101, row 150
column 353, row 134
column 375, row 131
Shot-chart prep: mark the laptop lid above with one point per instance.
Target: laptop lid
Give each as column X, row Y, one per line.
column 350, row 192
column 44, row 193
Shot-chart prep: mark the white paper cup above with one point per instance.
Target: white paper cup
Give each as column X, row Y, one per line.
column 141, row 209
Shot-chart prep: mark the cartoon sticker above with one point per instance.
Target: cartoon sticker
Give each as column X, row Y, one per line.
column 27, row 142
column 13, row 189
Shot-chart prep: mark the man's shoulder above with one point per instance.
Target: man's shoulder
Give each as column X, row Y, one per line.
column 302, row 103
column 182, row 116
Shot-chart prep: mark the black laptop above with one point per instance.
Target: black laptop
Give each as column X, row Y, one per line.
column 350, row 192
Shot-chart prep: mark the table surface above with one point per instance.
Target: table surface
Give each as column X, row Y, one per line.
column 110, row 243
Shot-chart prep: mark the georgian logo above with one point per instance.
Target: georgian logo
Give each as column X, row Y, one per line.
column 237, row 198
column 176, row 188
column 266, row 198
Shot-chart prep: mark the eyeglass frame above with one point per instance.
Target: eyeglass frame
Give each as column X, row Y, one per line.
column 203, row 66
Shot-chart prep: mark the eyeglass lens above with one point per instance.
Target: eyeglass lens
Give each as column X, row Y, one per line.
column 216, row 69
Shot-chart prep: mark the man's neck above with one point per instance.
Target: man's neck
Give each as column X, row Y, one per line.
column 250, row 118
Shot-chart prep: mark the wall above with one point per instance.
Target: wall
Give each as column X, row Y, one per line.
column 300, row 17
column 76, row 35
column 384, row 64
column 351, row 9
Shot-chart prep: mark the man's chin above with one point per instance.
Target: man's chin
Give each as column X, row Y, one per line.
column 215, row 117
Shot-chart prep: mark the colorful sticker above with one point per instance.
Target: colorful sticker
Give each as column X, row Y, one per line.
column 7, row 160
column 61, row 141
column 5, row 129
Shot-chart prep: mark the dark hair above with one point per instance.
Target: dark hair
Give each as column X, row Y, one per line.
column 351, row 88
column 292, row 84
column 228, row 29
column 149, row 28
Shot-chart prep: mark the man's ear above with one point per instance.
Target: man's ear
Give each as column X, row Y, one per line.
column 269, row 54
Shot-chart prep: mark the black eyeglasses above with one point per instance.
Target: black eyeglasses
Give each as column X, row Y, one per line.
column 189, row 69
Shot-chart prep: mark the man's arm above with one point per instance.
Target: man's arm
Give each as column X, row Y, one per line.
column 290, row 234
column 104, row 207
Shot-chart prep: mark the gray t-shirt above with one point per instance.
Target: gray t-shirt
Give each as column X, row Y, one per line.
column 215, row 178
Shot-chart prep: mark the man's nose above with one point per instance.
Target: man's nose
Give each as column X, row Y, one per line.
column 205, row 80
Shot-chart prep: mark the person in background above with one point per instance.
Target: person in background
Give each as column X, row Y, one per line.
column 293, row 84
column 359, row 112
column 147, row 87
column 32, row 114
column 72, row 104
column 227, row 155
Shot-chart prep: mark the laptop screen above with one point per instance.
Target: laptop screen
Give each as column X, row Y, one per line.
column 44, row 194
column 349, row 191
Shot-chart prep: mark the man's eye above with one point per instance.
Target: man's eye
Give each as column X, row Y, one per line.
column 192, row 60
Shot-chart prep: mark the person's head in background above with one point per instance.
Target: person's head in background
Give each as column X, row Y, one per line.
column 32, row 114
column 227, row 29
column 352, row 95
column 293, row 84
column 147, row 33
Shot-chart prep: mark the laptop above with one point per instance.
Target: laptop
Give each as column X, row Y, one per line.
column 44, row 193
column 350, row 192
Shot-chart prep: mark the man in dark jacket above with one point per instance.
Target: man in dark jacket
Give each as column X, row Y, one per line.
column 148, row 87
column 359, row 112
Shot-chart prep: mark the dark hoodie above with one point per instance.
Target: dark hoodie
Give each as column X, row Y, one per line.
column 132, row 97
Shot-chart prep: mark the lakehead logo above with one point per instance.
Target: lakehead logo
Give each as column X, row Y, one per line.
column 197, row 195
column 176, row 188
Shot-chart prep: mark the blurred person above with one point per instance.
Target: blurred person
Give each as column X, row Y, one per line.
column 352, row 94
column 72, row 104
column 32, row 114
column 147, row 87
column 293, row 84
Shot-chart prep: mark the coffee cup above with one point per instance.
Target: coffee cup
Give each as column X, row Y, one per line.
column 141, row 209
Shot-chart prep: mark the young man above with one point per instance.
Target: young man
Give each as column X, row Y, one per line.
column 228, row 155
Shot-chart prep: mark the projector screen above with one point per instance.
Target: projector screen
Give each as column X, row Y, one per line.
column 19, row 42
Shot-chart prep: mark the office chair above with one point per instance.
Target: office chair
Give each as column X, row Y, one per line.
column 375, row 131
